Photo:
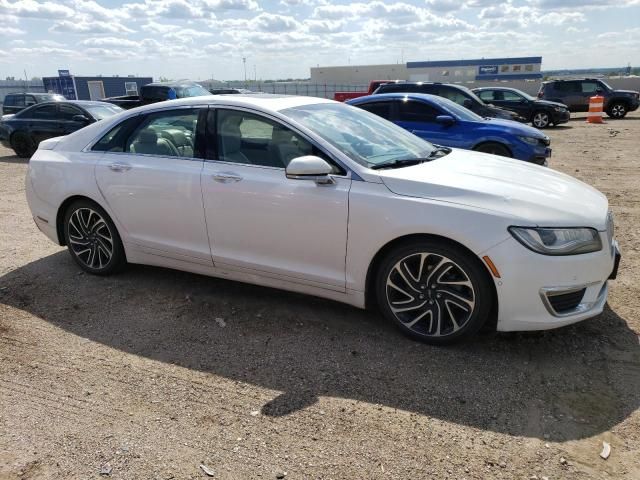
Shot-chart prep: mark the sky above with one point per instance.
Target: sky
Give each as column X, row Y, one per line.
column 203, row 39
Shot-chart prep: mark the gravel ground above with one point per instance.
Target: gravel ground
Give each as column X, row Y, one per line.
column 151, row 373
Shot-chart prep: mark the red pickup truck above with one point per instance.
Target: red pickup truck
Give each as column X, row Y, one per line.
column 344, row 96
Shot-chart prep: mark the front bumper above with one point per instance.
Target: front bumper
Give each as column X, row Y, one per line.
column 527, row 279
column 560, row 117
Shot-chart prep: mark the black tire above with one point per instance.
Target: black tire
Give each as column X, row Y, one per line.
column 92, row 238
column 617, row 110
column 434, row 310
column 23, row 144
column 540, row 119
column 493, row 148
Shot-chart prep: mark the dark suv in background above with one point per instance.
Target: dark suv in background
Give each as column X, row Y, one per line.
column 541, row 113
column 456, row 93
column 575, row 94
column 14, row 102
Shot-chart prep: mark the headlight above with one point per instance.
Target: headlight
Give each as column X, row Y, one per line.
column 559, row 109
column 558, row 241
column 529, row 140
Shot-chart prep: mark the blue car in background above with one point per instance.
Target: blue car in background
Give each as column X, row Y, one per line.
column 446, row 123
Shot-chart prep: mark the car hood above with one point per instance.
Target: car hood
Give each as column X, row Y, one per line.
column 548, row 103
column 634, row 92
column 530, row 195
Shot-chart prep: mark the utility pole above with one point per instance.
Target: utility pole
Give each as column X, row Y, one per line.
column 255, row 73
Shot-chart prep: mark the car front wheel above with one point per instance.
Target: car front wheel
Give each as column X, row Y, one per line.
column 494, row 149
column 617, row 110
column 540, row 119
column 434, row 292
column 92, row 239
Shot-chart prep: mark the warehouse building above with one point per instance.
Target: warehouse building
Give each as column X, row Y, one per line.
column 452, row 71
column 93, row 88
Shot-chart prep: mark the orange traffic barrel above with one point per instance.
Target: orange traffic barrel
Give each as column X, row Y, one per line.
column 595, row 109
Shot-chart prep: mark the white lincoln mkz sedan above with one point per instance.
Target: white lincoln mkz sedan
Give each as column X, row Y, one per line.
column 314, row 196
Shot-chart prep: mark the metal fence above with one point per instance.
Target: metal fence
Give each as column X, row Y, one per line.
column 292, row 88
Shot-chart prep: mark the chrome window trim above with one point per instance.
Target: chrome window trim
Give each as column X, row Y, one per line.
column 582, row 307
column 90, row 145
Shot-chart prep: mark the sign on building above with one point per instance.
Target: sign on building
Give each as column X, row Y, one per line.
column 488, row 70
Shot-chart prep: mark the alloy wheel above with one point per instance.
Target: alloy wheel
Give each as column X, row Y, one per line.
column 540, row 120
column 90, row 238
column 430, row 294
column 618, row 110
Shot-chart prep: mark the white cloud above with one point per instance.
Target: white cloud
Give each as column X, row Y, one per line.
column 89, row 27
column 11, row 31
column 33, row 9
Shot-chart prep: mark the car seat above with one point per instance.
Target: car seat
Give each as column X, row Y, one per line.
column 148, row 143
column 231, row 140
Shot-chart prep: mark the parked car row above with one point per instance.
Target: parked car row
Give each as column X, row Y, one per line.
column 318, row 197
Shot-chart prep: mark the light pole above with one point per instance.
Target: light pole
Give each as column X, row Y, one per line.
column 244, row 65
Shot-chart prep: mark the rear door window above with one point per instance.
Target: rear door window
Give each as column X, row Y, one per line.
column 45, row 112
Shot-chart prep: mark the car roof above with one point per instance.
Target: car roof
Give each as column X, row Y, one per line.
column 31, row 93
column 265, row 101
column 395, row 96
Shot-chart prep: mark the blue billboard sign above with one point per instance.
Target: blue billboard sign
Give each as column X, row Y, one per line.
column 487, row 70
column 64, row 73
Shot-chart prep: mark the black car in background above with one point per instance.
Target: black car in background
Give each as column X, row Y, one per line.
column 159, row 92
column 14, row 102
column 575, row 94
column 26, row 129
column 456, row 93
column 541, row 113
column 228, row 91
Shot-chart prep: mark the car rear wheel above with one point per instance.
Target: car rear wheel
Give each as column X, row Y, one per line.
column 494, row 149
column 92, row 239
column 434, row 292
column 617, row 110
column 540, row 119
column 23, row 145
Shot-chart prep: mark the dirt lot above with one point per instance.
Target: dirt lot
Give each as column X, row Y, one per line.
column 137, row 375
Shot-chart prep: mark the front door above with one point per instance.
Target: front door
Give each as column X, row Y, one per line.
column 150, row 178
column 258, row 220
column 420, row 119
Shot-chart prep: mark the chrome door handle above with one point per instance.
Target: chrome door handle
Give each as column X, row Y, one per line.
column 225, row 177
column 120, row 167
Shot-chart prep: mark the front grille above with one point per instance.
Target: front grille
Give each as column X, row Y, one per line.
column 566, row 302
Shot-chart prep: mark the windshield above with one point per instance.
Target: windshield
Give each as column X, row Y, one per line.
column 363, row 136
column 192, row 91
column 100, row 112
column 459, row 111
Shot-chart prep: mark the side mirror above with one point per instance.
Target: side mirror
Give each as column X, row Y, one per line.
column 445, row 120
column 310, row 167
column 80, row 119
column 467, row 104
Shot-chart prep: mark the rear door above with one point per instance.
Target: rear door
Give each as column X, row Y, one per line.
column 42, row 122
column 149, row 176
